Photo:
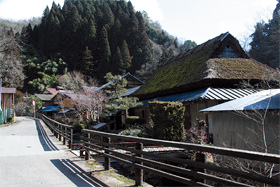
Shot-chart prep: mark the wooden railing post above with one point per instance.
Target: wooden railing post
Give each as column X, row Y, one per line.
column 107, row 159
column 200, row 157
column 139, row 172
column 55, row 126
column 87, row 151
column 64, row 139
column 71, row 139
column 60, row 131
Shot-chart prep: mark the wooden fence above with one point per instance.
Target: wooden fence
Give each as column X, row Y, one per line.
column 187, row 171
column 62, row 131
column 194, row 172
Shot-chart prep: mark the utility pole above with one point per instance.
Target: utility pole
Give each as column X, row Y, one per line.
column 1, row 113
column 33, row 103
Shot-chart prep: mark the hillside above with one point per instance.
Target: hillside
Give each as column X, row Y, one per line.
column 92, row 37
column 18, row 25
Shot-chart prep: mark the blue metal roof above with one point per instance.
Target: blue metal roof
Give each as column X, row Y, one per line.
column 50, row 109
column 124, row 76
column 272, row 102
column 266, row 99
column 99, row 125
column 131, row 91
column 68, row 111
column 224, row 94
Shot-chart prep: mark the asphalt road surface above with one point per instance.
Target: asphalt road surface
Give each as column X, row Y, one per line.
column 31, row 156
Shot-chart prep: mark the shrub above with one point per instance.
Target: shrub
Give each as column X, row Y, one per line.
column 77, row 125
column 135, row 120
column 197, row 134
column 168, row 119
column 138, row 131
column 10, row 119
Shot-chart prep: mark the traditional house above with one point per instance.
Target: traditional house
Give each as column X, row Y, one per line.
column 204, row 76
column 54, row 91
column 48, row 95
column 8, row 102
column 118, row 119
column 251, row 122
column 133, row 83
column 62, row 106
column 47, row 99
column 65, row 100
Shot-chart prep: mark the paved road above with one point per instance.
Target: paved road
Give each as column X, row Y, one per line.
column 31, row 156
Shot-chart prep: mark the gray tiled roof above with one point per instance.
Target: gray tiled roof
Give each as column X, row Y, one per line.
column 45, row 97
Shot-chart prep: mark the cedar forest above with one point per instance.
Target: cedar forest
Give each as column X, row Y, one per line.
column 94, row 37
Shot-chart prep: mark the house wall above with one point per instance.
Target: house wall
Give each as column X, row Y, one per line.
column 236, row 131
column 65, row 101
column 195, row 107
column 7, row 98
column 131, row 83
column 7, row 103
column 47, row 103
column 191, row 112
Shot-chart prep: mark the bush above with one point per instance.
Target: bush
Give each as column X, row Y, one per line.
column 168, row 118
column 198, row 134
column 135, row 120
column 138, row 131
column 77, row 125
column 10, row 119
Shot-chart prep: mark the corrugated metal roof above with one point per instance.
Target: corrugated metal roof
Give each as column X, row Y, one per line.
column 50, row 109
column 124, row 76
column 99, row 125
column 226, row 93
column 45, row 97
column 67, row 111
column 70, row 95
column 223, row 94
column 8, row 90
column 131, row 91
column 266, row 99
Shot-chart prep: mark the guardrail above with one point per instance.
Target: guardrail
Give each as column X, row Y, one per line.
column 61, row 131
column 186, row 171
column 133, row 151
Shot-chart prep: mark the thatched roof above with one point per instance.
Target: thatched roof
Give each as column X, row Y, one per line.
column 204, row 65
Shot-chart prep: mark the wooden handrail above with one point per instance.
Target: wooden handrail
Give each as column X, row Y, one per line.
column 101, row 147
column 252, row 155
column 109, row 145
column 60, row 130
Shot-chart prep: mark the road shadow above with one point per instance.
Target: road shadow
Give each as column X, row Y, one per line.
column 44, row 139
column 74, row 173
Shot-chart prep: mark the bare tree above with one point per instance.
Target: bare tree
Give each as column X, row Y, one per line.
column 90, row 102
column 20, row 108
column 72, row 80
column 10, row 62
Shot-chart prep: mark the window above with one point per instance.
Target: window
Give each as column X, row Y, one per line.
column 228, row 52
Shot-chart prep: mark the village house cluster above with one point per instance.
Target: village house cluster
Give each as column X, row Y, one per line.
column 208, row 81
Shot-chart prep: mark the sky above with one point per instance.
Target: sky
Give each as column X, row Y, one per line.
column 196, row 20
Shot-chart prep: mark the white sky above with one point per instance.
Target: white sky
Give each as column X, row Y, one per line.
column 196, row 20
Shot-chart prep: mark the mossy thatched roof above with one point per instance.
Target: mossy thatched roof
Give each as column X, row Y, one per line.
column 202, row 63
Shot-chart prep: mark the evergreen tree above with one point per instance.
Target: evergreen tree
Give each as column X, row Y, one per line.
column 274, row 37
column 102, row 27
column 259, row 43
column 265, row 45
column 116, row 89
column 88, row 64
column 125, row 56
column 118, row 63
column 105, row 53
column 108, row 16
